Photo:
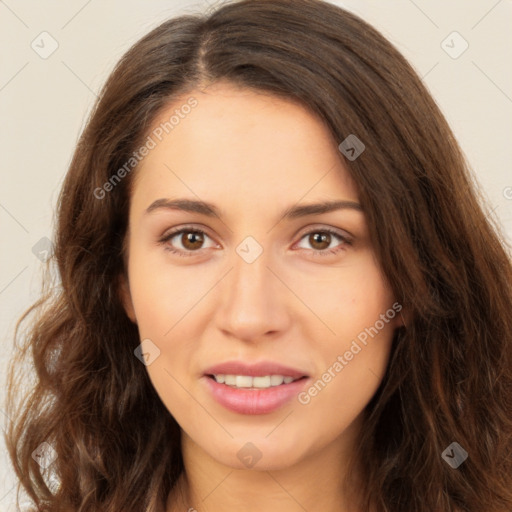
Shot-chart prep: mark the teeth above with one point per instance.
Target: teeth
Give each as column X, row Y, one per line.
column 277, row 380
column 246, row 381
column 241, row 381
column 230, row 380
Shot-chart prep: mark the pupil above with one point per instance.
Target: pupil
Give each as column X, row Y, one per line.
column 321, row 238
column 192, row 239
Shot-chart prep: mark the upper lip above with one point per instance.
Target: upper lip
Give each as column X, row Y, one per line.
column 259, row 369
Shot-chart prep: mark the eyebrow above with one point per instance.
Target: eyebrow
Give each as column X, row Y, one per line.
column 292, row 212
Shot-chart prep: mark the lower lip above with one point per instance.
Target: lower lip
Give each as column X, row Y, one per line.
column 254, row 401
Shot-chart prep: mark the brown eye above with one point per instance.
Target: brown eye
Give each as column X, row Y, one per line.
column 320, row 241
column 186, row 241
column 192, row 240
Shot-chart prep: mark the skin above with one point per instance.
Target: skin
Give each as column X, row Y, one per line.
column 289, row 305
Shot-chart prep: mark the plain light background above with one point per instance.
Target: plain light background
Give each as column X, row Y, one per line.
column 44, row 103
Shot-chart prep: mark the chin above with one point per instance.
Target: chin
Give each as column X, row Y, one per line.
column 257, row 453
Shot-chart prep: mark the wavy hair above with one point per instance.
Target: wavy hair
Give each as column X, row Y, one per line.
column 449, row 376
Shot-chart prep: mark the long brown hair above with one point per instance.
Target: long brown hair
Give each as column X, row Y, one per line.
column 449, row 377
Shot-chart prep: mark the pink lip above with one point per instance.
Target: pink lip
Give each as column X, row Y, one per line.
column 254, row 370
column 254, row 401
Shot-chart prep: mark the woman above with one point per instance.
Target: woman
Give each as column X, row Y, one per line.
column 279, row 289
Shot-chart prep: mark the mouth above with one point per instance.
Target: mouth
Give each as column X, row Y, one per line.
column 254, row 383
column 253, row 389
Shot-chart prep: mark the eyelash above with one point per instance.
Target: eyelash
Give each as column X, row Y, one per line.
column 323, row 252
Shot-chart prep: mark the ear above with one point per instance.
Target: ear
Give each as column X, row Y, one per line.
column 126, row 297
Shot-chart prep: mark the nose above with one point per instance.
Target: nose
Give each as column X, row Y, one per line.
column 253, row 302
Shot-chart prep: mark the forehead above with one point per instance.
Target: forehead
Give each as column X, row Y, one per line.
column 257, row 146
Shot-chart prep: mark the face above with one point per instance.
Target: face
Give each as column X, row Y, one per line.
column 256, row 280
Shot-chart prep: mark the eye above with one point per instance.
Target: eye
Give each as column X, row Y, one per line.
column 321, row 240
column 188, row 240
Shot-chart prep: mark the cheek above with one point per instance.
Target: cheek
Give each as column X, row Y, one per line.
column 348, row 299
column 165, row 301
column 353, row 356
column 161, row 301
column 163, row 294
column 349, row 377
